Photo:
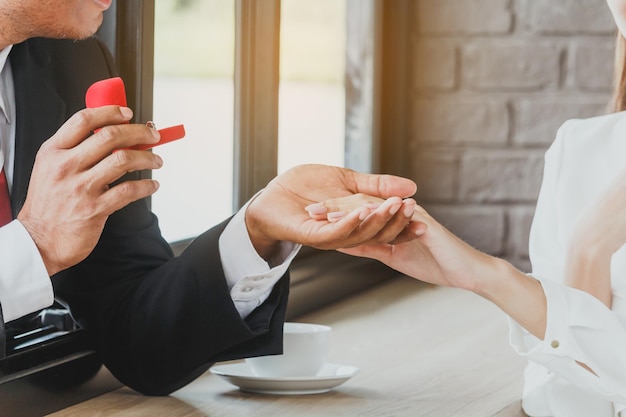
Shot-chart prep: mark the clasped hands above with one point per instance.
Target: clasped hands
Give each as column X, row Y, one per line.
column 277, row 214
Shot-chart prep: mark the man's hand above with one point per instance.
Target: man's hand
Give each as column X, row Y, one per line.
column 69, row 196
column 278, row 213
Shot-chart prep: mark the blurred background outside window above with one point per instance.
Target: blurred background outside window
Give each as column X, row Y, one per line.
column 193, row 84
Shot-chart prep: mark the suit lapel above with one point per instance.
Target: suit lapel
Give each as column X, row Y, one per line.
column 40, row 112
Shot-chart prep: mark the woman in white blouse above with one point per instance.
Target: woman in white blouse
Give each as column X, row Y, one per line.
column 568, row 317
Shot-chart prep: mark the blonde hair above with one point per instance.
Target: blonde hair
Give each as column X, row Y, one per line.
column 619, row 92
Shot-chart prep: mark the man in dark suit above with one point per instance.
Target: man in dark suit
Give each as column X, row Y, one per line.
column 83, row 224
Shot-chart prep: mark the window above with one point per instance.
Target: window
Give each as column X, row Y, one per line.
column 297, row 47
column 311, row 117
column 270, row 80
column 193, row 84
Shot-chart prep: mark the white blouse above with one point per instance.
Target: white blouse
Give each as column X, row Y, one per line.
column 582, row 162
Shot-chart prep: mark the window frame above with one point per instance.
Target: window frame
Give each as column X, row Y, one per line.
column 257, row 61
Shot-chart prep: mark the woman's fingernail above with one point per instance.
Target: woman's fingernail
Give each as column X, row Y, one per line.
column 394, row 209
column 420, row 229
column 317, row 208
column 409, row 210
column 335, row 215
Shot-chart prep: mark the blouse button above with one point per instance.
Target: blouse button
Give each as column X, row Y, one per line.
column 555, row 344
column 247, row 289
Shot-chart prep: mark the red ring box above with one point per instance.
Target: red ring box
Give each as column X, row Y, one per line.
column 112, row 92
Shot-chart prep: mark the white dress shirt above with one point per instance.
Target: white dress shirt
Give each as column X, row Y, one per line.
column 583, row 161
column 250, row 278
column 24, row 282
column 25, row 286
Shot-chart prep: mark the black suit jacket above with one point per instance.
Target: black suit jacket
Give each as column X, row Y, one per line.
column 157, row 321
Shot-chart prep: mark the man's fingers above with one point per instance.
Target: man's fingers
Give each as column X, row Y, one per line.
column 113, row 138
column 118, row 164
column 120, row 195
column 112, row 133
column 79, row 126
column 383, row 186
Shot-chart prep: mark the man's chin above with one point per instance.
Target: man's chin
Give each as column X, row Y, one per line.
column 82, row 33
column 72, row 36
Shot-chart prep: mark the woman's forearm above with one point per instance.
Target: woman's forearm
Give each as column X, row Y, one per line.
column 518, row 295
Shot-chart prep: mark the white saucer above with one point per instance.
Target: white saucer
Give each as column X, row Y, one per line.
column 240, row 375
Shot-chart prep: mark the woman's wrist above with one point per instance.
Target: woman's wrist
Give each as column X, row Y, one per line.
column 488, row 281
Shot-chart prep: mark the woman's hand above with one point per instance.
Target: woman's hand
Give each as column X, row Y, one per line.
column 439, row 257
column 436, row 255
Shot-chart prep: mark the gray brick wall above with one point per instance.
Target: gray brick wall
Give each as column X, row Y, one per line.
column 492, row 80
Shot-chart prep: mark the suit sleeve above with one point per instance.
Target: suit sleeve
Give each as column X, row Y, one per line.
column 158, row 321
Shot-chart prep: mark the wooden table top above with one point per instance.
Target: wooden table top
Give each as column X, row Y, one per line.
column 421, row 350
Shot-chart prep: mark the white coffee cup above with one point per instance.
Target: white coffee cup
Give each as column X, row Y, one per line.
column 305, row 348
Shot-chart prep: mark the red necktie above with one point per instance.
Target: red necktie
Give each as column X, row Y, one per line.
column 5, row 201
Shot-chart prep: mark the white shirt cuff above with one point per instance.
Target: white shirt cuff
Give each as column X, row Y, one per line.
column 249, row 277
column 578, row 328
column 25, row 286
